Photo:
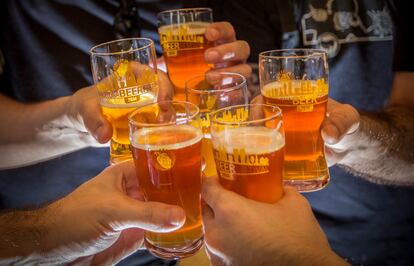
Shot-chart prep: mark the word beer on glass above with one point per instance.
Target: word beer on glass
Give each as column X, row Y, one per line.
column 166, row 146
column 211, row 92
column 183, row 43
column 297, row 81
column 125, row 74
column 248, row 143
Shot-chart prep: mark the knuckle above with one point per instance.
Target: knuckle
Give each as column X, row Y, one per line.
column 246, row 47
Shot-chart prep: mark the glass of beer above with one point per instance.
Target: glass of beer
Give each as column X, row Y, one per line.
column 183, row 43
column 125, row 74
column 166, row 147
column 211, row 92
column 248, row 143
column 297, row 81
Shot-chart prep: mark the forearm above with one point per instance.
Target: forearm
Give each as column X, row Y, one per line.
column 382, row 150
column 21, row 122
column 25, row 236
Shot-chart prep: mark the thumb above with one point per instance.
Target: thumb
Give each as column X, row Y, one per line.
column 151, row 216
column 95, row 122
column 342, row 119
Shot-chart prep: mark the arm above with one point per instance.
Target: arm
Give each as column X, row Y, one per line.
column 24, row 122
column 24, row 119
column 86, row 227
column 378, row 146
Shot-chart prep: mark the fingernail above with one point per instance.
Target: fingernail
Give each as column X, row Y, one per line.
column 229, row 56
column 212, row 56
column 177, row 217
column 330, row 134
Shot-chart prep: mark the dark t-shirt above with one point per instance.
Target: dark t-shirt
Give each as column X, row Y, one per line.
column 366, row 223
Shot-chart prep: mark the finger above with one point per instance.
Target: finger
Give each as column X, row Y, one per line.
column 235, row 51
column 129, row 241
column 291, row 197
column 166, row 89
column 151, row 216
column 220, row 32
column 333, row 156
column 94, row 120
column 341, row 119
column 258, row 100
column 208, row 214
column 212, row 192
column 242, row 69
column 214, row 259
column 124, row 176
column 289, row 192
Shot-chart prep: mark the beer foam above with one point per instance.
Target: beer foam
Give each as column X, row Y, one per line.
column 193, row 28
column 254, row 140
column 155, row 134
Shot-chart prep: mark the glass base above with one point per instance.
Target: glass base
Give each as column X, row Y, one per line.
column 307, row 185
column 174, row 253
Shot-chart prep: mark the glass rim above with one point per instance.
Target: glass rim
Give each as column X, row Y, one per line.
column 191, row 118
column 207, row 9
column 313, row 52
column 213, row 114
column 211, row 91
column 93, row 53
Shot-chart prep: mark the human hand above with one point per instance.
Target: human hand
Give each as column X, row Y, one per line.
column 84, row 112
column 339, row 130
column 104, row 219
column 229, row 54
column 240, row 231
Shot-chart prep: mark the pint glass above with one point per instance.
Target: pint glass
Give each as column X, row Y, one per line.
column 210, row 93
column 297, row 82
column 125, row 75
column 183, row 43
column 166, row 146
column 248, row 143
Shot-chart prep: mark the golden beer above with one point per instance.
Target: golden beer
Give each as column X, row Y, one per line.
column 183, row 42
column 303, row 104
column 250, row 161
column 125, row 76
column 210, row 94
column 168, row 165
column 296, row 80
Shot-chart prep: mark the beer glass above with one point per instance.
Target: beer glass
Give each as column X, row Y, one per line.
column 248, row 143
column 210, row 93
column 125, row 74
column 183, row 43
column 297, row 81
column 166, row 147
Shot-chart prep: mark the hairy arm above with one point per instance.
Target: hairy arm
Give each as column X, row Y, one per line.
column 25, row 235
column 381, row 150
